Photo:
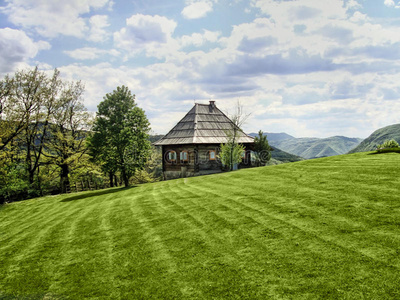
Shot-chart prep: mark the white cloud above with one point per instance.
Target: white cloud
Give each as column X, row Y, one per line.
column 196, row 10
column 16, row 48
column 198, row 39
column 97, row 31
column 51, row 18
column 88, row 53
column 389, row 3
column 151, row 34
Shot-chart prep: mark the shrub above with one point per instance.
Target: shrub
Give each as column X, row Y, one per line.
column 389, row 144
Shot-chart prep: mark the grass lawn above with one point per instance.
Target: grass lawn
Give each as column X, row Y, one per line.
column 323, row 228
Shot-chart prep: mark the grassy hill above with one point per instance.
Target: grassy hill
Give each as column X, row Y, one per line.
column 316, row 147
column 317, row 229
column 378, row 137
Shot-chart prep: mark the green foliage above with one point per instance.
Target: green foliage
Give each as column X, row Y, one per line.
column 12, row 183
column 120, row 140
column 42, row 130
column 231, row 154
column 388, row 144
column 262, row 150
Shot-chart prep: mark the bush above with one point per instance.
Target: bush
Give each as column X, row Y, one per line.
column 389, row 144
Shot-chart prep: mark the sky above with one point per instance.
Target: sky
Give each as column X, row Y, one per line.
column 310, row 68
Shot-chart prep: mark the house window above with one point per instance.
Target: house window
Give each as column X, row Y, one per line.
column 172, row 156
column 243, row 155
column 212, row 154
column 184, row 156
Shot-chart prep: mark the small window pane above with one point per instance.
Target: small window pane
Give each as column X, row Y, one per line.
column 212, row 155
column 172, row 155
column 184, row 156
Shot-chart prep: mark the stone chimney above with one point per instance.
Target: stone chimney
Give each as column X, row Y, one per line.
column 212, row 103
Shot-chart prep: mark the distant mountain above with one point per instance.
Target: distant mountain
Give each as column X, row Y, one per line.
column 282, row 156
column 316, row 147
column 378, row 137
column 272, row 137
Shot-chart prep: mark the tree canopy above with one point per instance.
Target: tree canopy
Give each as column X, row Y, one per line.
column 43, row 123
column 262, row 149
column 120, row 140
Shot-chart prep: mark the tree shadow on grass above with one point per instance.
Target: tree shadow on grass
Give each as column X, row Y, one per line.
column 383, row 152
column 86, row 195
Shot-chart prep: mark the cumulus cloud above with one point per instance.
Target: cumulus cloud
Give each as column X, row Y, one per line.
column 145, row 33
column 98, row 23
column 196, row 10
column 391, row 3
column 17, row 48
column 51, row 18
column 89, row 53
column 199, row 39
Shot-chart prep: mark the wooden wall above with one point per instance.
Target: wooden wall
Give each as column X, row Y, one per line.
column 199, row 158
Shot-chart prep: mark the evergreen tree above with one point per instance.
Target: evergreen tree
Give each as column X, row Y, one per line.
column 262, row 149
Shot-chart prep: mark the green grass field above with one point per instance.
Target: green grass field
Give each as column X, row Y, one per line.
column 324, row 228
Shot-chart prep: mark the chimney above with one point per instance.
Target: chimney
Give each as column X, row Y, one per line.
column 212, row 103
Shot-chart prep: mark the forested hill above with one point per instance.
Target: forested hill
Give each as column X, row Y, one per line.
column 379, row 137
column 155, row 138
column 283, row 156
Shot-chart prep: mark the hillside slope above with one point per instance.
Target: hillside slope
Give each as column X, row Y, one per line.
column 283, row 156
column 317, row 229
column 316, row 147
column 378, row 137
column 273, row 137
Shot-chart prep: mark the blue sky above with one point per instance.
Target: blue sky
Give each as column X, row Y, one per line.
column 305, row 67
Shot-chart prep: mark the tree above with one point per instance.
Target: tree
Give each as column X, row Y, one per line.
column 27, row 103
column 231, row 152
column 120, row 137
column 262, row 149
column 67, row 137
column 43, row 128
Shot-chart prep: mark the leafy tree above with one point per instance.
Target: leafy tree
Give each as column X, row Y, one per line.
column 69, row 130
column 27, row 102
column 262, row 149
column 43, row 125
column 120, row 139
column 231, row 152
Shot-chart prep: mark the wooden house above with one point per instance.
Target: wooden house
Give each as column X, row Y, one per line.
column 191, row 148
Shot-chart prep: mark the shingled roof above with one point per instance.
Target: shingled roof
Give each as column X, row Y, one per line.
column 203, row 124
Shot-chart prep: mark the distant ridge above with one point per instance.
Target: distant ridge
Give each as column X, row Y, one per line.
column 272, row 137
column 378, row 137
column 312, row 147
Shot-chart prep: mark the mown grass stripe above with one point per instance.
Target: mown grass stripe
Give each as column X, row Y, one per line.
column 322, row 229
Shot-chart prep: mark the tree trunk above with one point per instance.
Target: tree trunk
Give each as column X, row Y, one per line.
column 111, row 176
column 64, row 178
column 125, row 177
